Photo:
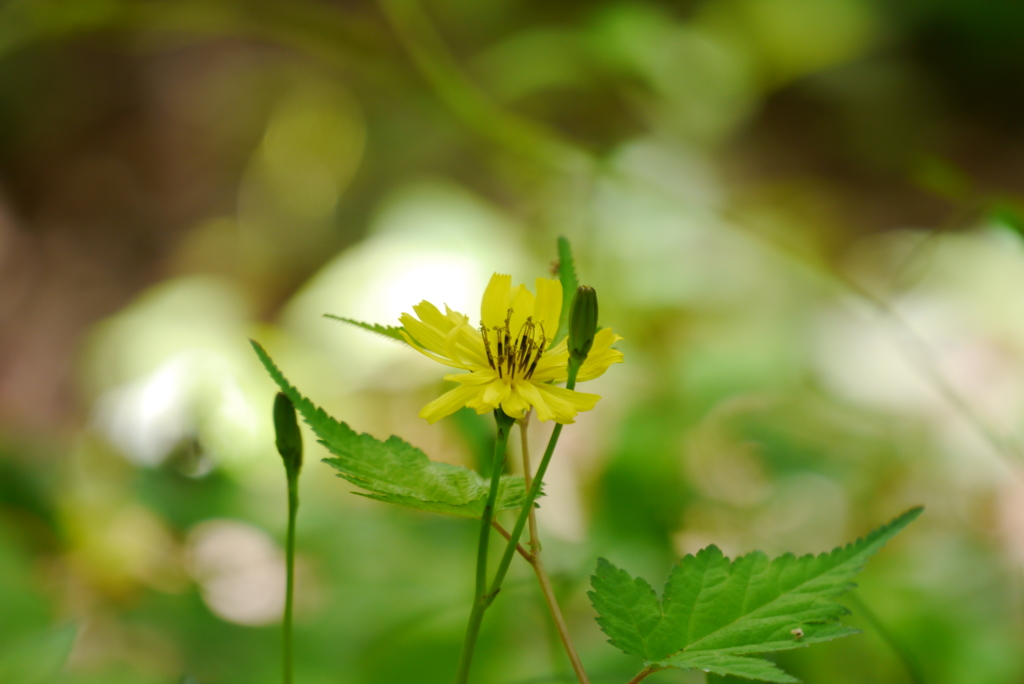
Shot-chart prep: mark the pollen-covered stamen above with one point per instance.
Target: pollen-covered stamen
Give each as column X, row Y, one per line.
column 487, row 345
column 526, row 354
column 515, row 355
column 510, row 352
column 502, row 349
column 525, row 342
column 540, row 352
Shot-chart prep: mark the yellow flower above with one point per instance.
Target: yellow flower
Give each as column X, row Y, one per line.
column 510, row 357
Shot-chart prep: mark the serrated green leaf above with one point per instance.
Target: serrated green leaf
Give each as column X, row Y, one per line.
column 737, row 666
column 628, row 609
column 389, row 331
column 713, row 611
column 567, row 276
column 394, row 471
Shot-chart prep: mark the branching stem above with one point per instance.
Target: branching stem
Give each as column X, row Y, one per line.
column 531, row 496
column 527, row 556
column 481, row 598
column 537, row 562
column 645, row 673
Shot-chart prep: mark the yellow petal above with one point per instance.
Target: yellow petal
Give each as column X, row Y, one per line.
column 564, row 403
column 454, row 317
column 496, row 301
column 449, row 402
column 459, row 346
column 522, row 308
column 552, row 365
column 515, row 405
column 495, row 393
column 429, row 354
column 531, row 394
column 548, row 306
column 601, row 355
column 475, row 378
column 471, row 348
column 429, row 314
column 427, row 335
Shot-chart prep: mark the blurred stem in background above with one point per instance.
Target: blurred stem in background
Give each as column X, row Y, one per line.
column 417, row 34
column 289, row 445
column 898, row 647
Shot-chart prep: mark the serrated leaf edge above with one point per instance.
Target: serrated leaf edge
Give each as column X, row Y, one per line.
column 305, row 407
column 392, row 332
column 884, row 533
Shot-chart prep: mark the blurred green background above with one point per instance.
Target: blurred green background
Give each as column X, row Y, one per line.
column 802, row 215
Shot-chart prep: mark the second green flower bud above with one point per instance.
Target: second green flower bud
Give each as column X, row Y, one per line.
column 582, row 323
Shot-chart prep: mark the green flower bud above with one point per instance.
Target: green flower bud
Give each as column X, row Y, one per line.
column 582, row 323
column 289, row 439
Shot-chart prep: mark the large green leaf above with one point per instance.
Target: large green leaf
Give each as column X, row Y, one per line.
column 715, row 612
column 390, row 331
column 394, row 471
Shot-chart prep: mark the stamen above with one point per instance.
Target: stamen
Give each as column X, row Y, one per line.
column 487, row 345
column 533, row 367
column 525, row 340
column 509, row 349
column 508, row 334
column 524, row 352
column 501, row 351
column 540, row 352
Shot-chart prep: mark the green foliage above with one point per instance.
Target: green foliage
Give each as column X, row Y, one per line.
column 394, row 471
column 37, row 659
column 715, row 612
column 567, row 275
column 390, row 331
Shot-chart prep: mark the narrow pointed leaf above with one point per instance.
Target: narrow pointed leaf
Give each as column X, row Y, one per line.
column 390, row 331
column 394, row 471
column 715, row 610
column 567, row 275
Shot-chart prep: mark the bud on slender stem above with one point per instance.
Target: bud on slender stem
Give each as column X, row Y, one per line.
column 289, row 439
column 289, row 445
column 582, row 323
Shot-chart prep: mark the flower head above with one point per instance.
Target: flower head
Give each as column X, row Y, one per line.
column 511, row 357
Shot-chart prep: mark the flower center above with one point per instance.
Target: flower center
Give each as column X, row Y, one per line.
column 517, row 354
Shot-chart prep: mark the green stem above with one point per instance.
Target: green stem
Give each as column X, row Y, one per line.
column 531, row 497
column 645, row 673
column 480, row 601
column 557, row 619
column 293, row 509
